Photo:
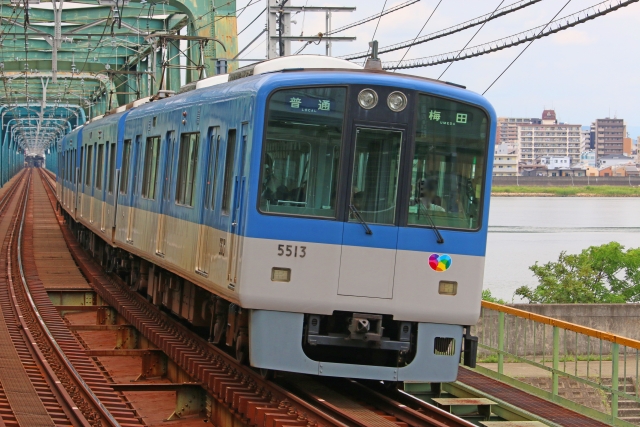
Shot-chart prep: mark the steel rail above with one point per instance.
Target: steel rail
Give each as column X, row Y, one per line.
column 54, row 343
column 406, row 407
column 393, row 402
column 46, row 372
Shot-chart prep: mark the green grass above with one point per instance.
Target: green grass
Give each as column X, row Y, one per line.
column 591, row 190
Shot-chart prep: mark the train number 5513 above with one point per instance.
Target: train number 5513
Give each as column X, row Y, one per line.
column 292, row 250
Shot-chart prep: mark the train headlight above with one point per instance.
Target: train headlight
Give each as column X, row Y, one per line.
column 367, row 98
column 397, row 101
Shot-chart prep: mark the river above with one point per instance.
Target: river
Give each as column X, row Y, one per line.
column 523, row 230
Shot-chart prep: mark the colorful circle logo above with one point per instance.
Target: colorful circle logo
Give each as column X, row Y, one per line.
column 439, row 262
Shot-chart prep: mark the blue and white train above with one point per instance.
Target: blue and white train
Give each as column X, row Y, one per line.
column 314, row 215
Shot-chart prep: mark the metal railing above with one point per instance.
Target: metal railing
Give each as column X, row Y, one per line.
column 517, row 346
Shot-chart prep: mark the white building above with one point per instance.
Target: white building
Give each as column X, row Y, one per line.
column 556, row 162
column 585, row 139
column 549, row 139
column 505, row 162
column 507, row 130
column 588, row 158
column 613, row 160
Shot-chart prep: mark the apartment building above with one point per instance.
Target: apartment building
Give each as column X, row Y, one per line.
column 549, row 139
column 627, row 146
column 609, row 134
column 585, row 139
column 507, row 130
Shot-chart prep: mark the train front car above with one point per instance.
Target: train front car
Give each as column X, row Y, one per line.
column 366, row 227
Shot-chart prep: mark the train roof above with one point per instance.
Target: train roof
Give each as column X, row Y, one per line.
column 285, row 71
column 106, row 120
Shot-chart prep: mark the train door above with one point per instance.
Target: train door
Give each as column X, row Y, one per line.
column 210, row 153
column 134, row 188
column 232, row 198
column 97, row 202
column 109, row 206
column 236, row 214
column 370, row 235
column 166, row 194
column 61, row 175
column 77, row 198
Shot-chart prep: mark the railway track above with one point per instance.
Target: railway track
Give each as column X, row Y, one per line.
column 239, row 394
column 30, row 393
column 46, row 380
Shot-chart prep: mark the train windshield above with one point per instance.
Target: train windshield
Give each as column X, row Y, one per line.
column 374, row 182
column 301, row 158
column 447, row 172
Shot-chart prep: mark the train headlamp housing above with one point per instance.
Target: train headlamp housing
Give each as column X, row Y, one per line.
column 397, row 101
column 368, row 98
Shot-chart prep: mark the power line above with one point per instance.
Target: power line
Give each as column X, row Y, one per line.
column 526, row 47
column 472, row 37
column 251, row 3
column 556, row 26
column 513, row 7
column 364, row 21
column 254, row 20
column 425, row 24
column 376, row 16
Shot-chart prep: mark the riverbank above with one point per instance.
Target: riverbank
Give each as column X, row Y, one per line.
column 577, row 191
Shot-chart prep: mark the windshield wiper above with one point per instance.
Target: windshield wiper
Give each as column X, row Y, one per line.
column 359, row 217
column 439, row 238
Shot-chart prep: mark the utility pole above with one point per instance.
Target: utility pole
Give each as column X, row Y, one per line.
column 279, row 36
column 278, row 29
column 328, row 31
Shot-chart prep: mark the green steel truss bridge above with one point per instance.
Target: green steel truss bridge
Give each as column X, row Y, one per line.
column 65, row 62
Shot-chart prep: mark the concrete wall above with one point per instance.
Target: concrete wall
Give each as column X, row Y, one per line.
column 619, row 319
column 525, row 337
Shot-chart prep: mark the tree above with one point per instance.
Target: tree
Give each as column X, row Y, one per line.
column 486, row 295
column 599, row 274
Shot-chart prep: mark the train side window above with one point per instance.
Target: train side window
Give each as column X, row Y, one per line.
column 228, row 170
column 82, row 160
column 212, row 167
column 75, row 177
column 168, row 170
column 187, row 165
column 112, row 167
column 150, row 171
column 126, row 161
column 99, row 166
column 89, row 162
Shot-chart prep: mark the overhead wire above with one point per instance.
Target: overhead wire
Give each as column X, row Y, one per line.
column 251, row 3
column 470, row 40
column 510, row 8
column 556, row 26
column 420, row 32
column 526, row 47
column 251, row 23
column 364, row 21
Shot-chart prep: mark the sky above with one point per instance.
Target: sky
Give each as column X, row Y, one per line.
column 587, row 72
